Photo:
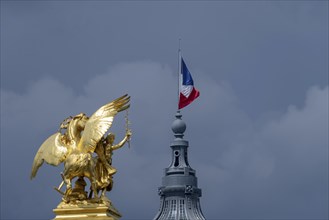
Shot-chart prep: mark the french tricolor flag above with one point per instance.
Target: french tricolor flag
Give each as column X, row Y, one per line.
column 187, row 92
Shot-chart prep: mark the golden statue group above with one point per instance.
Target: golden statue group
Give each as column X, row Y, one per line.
column 84, row 146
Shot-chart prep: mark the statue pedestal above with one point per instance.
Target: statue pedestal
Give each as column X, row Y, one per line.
column 86, row 210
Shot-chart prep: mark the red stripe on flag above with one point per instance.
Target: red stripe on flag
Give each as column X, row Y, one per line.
column 183, row 101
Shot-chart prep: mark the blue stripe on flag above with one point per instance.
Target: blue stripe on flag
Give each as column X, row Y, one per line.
column 187, row 78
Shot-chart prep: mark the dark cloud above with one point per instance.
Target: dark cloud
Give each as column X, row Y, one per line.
column 279, row 44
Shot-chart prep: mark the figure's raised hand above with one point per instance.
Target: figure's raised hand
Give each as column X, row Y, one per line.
column 128, row 134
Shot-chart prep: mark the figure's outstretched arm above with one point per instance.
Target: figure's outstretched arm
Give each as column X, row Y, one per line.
column 125, row 139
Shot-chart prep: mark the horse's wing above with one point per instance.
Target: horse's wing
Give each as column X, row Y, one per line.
column 99, row 123
column 52, row 151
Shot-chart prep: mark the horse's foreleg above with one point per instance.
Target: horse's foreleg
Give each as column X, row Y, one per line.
column 103, row 192
column 68, row 188
column 94, row 187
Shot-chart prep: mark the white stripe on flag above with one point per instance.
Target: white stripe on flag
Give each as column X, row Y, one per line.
column 186, row 90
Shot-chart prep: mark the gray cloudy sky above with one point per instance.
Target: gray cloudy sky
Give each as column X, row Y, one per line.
column 258, row 133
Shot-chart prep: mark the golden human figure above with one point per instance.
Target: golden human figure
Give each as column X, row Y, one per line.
column 75, row 147
column 104, row 168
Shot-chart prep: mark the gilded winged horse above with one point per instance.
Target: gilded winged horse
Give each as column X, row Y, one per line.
column 76, row 145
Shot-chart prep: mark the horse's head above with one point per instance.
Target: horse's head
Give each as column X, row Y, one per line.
column 81, row 119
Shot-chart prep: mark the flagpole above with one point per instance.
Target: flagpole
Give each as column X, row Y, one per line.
column 179, row 71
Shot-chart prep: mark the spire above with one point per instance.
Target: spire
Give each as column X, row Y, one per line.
column 179, row 193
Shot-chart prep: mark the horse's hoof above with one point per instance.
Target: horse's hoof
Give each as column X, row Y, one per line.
column 97, row 200
column 65, row 200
